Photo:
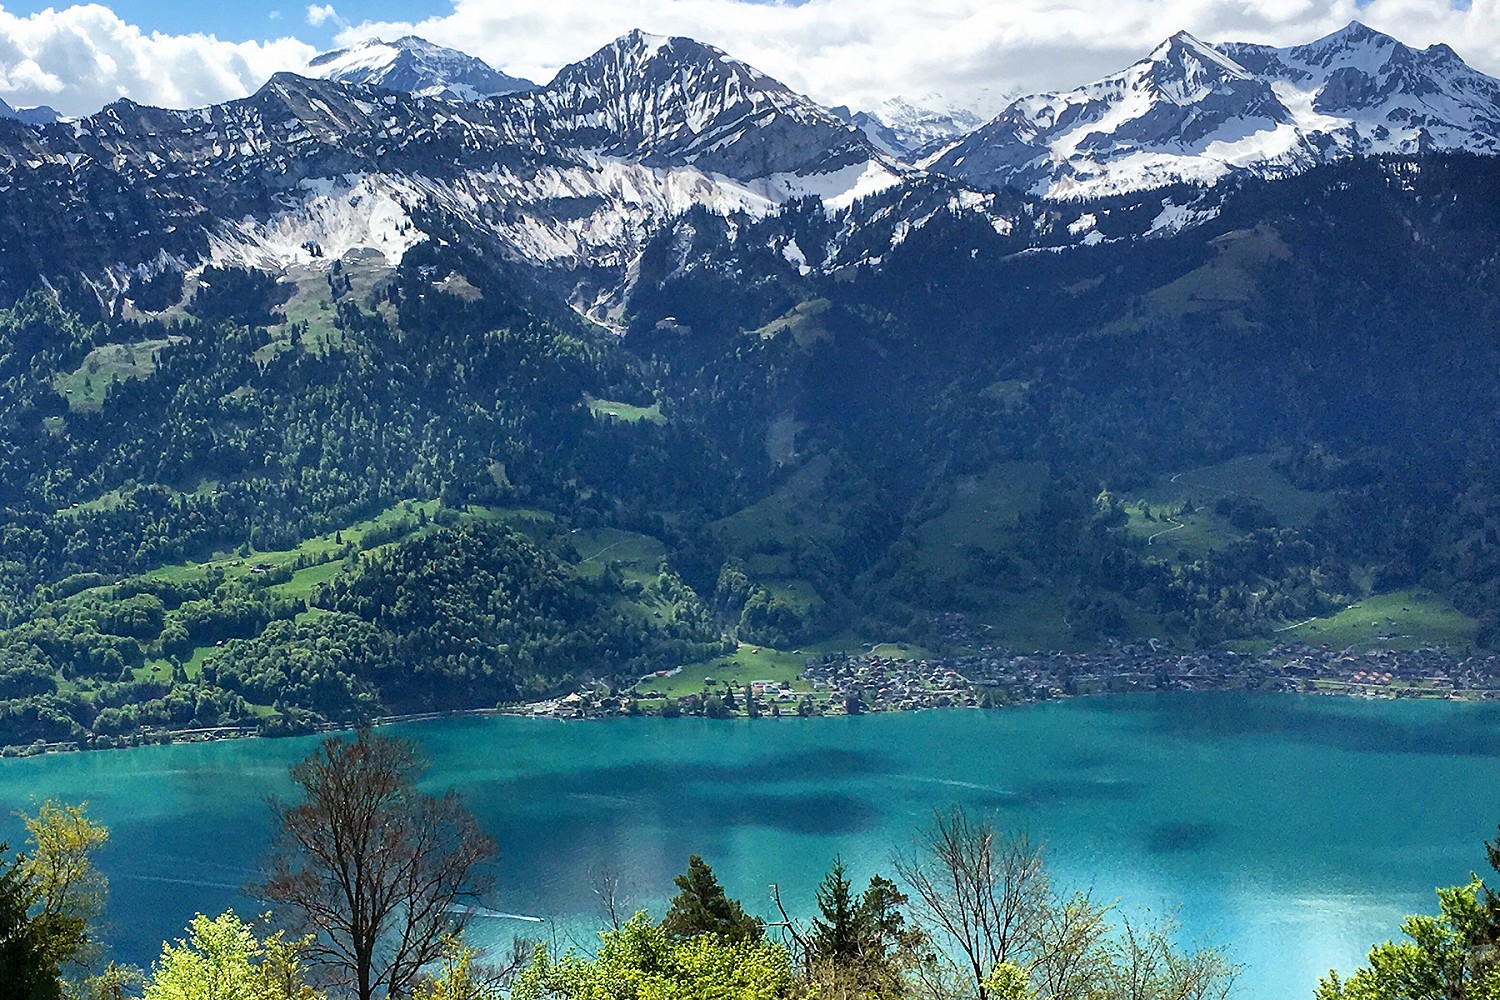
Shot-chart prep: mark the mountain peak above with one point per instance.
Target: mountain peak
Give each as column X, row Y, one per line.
column 1192, row 111
column 416, row 66
column 640, row 48
column 906, row 128
column 1357, row 32
column 638, row 38
column 39, row 115
column 671, row 98
column 1184, row 49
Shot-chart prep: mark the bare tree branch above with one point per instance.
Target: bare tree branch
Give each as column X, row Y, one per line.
column 372, row 869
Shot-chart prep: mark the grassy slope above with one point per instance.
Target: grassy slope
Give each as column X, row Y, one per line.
column 612, row 409
column 1183, row 537
column 85, row 388
column 1402, row 619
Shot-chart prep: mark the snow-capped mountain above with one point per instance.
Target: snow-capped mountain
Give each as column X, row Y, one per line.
column 576, row 177
column 903, row 129
column 416, row 66
column 40, row 115
column 573, row 177
column 1191, row 111
column 675, row 100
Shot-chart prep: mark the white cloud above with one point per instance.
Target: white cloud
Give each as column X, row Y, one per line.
column 854, row 52
column 81, row 58
column 859, row 52
column 317, row 14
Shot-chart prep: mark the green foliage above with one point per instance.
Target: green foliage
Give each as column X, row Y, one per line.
column 1446, row 956
column 862, row 945
column 221, row 959
column 457, row 978
column 642, row 961
column 860, row 455
column 484, row 614
column 701, row 908
column 51, row 897
column 1453, row 954
column 1008, row 982
column 28, row 963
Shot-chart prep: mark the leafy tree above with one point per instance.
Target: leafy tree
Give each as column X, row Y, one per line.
column 371, row 869
column 28, row 969
column 1008, row 982
column 643, row 961
column 1451, row 956
column 222, row 960
column 1440, row 961
column 701, row 907
column 50, row 898
column 459, row 977
column 861, row 945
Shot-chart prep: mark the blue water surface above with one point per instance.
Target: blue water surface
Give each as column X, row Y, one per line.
column 1294, row 830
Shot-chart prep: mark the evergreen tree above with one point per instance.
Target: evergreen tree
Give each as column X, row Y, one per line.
column 703, row 908
column 836, row 937
column 28, row 967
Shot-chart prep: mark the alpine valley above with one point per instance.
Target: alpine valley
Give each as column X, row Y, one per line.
column 404, row 385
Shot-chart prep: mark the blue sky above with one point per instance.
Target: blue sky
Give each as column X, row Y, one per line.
column 854, row 52
column 239, row 21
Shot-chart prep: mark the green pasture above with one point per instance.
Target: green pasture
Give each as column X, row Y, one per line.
column 1402, row 619
column 85, row 388
column 628, row 412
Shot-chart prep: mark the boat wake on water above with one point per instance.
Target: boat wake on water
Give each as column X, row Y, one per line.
column 489, row 914
column 178, row 881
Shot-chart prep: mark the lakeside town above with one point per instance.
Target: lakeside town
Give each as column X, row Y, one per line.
column 990, row 677
column 993, row 677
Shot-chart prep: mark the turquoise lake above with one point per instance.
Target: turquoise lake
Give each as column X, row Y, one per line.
column 1296, row 831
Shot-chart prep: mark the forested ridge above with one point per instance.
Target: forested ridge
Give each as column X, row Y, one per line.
column 360, row 490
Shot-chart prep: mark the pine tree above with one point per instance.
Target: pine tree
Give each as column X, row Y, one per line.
column 836, row 937
column 703, row 908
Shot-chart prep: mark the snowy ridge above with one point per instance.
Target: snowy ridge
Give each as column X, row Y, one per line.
column 578, row 177
column 416, row 66
column 1196, row 112
column 573, row 177
column 904, row 129
column 676, row 100
column 40, row 115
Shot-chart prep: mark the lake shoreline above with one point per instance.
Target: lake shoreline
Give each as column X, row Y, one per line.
column 993, row 678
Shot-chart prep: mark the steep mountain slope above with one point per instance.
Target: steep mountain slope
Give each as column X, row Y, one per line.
column 573, row 176
column 670, row 101
column 416, row 66
column 40, row 115
column 903, row 128
column 1191, row 111
column 1342, row 320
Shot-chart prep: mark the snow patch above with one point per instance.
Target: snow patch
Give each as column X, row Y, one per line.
column 339, row 216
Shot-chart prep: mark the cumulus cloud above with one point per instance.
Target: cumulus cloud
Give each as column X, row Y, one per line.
column 858, row 52
column 318, row 14
column 80, row 58
column 854, row 52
